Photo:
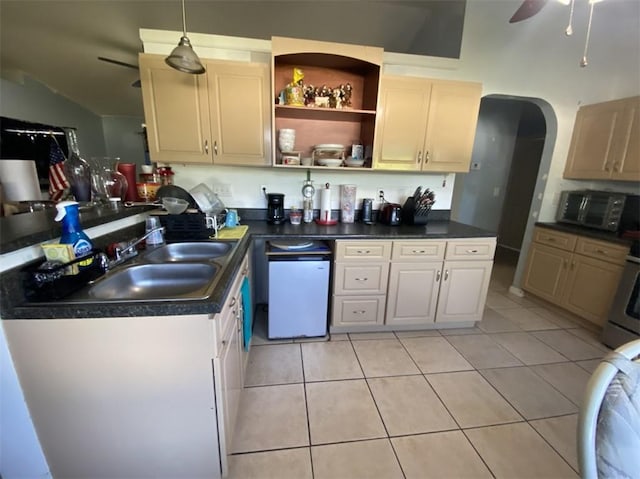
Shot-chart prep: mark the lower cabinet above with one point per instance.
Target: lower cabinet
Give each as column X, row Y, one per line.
column 429, row 282
column 577, row 273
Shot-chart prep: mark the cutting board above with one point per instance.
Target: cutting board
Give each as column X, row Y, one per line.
column 233, row 233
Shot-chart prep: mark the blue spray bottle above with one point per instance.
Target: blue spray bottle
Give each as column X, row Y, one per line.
column 72, row 233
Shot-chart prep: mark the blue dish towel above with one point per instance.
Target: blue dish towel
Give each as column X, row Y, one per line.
column 247, row 319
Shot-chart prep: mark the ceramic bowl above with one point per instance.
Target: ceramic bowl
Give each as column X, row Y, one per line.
column 332, row 162
column 352, row 162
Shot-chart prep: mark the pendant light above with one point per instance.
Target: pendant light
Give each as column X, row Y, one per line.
column 183, row 57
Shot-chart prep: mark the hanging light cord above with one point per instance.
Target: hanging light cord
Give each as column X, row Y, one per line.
column 184, row 21
column 569, row 29
column 583, row 62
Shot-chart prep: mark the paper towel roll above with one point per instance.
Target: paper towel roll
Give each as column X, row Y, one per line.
column 325, row 203
column 19, row 180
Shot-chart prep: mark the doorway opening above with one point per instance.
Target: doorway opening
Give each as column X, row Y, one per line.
column 503, row 190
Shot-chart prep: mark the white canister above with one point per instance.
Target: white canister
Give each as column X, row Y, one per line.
column 347, row 203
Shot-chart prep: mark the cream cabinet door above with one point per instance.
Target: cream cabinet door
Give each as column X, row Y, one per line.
column 413, row 292
column 176, row 110
column 546, row 272
column 451, row 128
column 463, row 290
column 403, row 110
column 591, row 287
column 240, row 113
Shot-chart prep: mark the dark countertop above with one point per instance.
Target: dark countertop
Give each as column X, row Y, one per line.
column 588, row 232
column 27, row 229
column 13, row 306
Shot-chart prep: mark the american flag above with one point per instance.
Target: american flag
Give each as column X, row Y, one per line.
column 57, row 180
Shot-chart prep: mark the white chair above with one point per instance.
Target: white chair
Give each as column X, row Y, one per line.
column 609, row 418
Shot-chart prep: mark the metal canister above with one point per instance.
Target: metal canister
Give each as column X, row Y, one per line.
column 367, row 210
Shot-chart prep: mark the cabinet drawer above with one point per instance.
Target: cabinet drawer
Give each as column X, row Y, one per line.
column 556, row 239
column 603, row 250
column 357, row 310
column 415, row 250
column 360, row 278
column 363, row 250
column 477, row 248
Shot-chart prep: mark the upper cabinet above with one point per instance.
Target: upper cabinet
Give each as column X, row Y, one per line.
column 220, row 117
column 606, row 142
column 337, row 119
column 426, row 125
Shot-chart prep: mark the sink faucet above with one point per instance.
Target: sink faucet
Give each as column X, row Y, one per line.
column 123, row 254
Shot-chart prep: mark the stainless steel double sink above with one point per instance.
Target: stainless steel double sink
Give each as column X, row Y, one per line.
column 175, row 271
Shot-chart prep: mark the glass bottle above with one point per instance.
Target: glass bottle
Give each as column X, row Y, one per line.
column 77, row 171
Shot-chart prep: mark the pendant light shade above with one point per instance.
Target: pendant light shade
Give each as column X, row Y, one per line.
column 183, row 57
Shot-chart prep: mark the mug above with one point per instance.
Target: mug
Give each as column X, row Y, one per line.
column 232, row 219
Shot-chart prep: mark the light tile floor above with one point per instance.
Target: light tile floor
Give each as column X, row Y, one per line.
column 496, row 400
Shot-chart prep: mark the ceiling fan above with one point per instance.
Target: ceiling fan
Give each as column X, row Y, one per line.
column 136, row 83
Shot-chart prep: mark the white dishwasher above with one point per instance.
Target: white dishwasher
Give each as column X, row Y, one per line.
column 298, row 288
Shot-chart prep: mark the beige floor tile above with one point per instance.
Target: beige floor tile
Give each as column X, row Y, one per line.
column 568, row 378
column 366, row 336
column 384, row 358
column 569, row 345
column 497, row 300
column 589, row 365
column 418, row 334
column 274, row 364
column 330, row 361
column 271, row 417
column 281, row 464
column 553, row 316
column 356, row 460
column 342, row 411
column 471, row 399
column 339, row 337
column 494, row 322
column 459, row 331
column 408, row 405
column 435, row 355
column 527, row 319
column 527, row 348
column 560, row 432
column 589, row 337
column 439, row 455
column 517, row 451
column 482, row 351
column 533, row 397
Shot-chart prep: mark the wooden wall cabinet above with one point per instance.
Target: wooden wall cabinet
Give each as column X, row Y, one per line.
column 330, row 64
column 605, row 144
column 426, row 125
column 577, row 273
column 219, row 117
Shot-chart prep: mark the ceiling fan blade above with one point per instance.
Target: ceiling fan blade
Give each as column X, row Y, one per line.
column 136, row 84
column 527, row 10
column 118, row 62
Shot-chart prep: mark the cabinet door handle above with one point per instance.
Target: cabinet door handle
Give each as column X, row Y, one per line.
column 565, row 263
column 446, row 274
column 224, row 342
column 215, row 148
column 573, row 264
column 438, row 276
column 426, row 157
column 233, row 302
column 616, row 167
column 245, row 271
column 607, row 167
column 419, row 158
column 206, row 146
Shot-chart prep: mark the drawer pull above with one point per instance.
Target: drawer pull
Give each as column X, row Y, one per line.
column 362, row 311
column 418, row 251
column 472, row 251
column 438, row 276
column 365, row 251
column 552, row 240
column 361, row 279
column 446, row 274
column 601, row 251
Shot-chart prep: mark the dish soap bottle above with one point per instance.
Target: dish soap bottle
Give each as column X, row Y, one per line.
column 72, row 232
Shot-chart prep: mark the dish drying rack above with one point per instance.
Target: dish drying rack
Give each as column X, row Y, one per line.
column 192, row 226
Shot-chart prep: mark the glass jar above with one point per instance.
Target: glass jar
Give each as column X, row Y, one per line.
column 166, row 175
column 77, row 171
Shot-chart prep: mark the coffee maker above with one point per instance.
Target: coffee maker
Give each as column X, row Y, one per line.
column 275, row 208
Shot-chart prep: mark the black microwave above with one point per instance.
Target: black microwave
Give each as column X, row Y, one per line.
column 603, row 210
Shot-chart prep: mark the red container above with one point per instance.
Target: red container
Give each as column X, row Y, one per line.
column 129, row 172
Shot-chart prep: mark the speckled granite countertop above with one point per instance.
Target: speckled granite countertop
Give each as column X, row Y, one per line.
column 14, row 307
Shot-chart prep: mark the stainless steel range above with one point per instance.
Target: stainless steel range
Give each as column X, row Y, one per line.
column 624, row 317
